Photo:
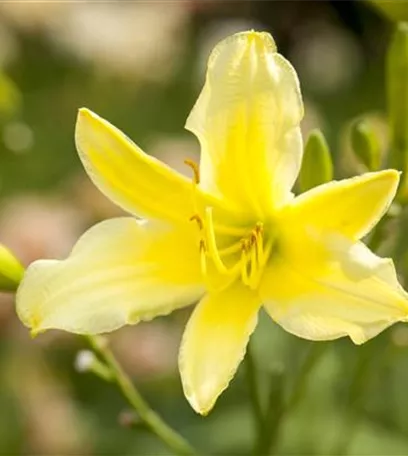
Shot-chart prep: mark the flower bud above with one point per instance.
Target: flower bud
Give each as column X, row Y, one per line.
column 317, row 166
column 11, row 270
column 366, row 145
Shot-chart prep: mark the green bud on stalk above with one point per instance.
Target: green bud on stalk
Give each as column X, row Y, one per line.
column 11, row 270
column 317, row 165
column 366, row 145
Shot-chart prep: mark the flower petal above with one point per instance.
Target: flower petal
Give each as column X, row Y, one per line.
column 137, row 182
column 214, row 344
column 247, row 121
column 121, row 271
column 353, row 293
column 350, row 206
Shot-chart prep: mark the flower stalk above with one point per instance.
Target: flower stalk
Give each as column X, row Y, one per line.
column 151, row 419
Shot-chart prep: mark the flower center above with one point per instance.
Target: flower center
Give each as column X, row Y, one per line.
column 230, row 252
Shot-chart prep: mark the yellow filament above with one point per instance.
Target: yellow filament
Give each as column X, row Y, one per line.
column 253, row 255
column 244, row 269
column 260, row 251
column 234, row 248
column 233, row 231
column 203, row 259
column 254, row 266
column 267, row 252
column 212, row 243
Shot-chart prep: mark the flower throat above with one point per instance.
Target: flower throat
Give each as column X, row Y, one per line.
column 243, row 258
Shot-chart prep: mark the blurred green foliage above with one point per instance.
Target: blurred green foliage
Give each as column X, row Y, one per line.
column 394, row 10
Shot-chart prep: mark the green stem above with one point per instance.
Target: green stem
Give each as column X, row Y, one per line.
column 353, row 404
column 150, row 418
column 268, row 422
column 276, row 420
column 274, row 411
column 253, row 384
column 313, row 356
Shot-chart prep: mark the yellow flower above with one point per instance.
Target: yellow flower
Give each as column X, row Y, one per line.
column 233, row 238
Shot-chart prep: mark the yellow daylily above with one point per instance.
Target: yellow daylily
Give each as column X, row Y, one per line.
column 233, row 238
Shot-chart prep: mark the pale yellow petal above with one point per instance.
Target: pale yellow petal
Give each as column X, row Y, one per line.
column 214, row 344
column 350, row 206
column 353, row 292
column 121, row 271
column 247, row 121
column 137, row 182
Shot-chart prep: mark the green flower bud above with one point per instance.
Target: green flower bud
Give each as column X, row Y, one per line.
column 11, row 270
column 366, row 145
column 397, row 91
column 317, row 165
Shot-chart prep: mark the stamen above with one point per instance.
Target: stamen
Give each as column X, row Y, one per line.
column 253, row 256
column 196, row 170
column 199, row 221
column 234, row 248
column 254, row 267
column 212, row 243
column 233, row 231
column 260, row 250
column 203, row 260
column 267, row 252
column 244, row 268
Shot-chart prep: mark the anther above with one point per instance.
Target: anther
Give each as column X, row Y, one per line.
column 197, row 219
column 196, row 170
column 259, row 227
column 244, row 244
column 203, row 248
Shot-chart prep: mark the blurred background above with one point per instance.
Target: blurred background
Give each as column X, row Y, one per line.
column 141, row 65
